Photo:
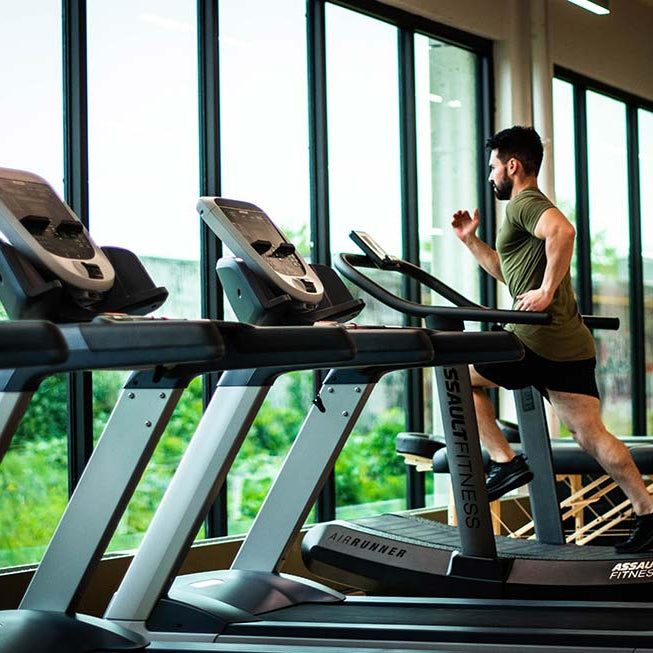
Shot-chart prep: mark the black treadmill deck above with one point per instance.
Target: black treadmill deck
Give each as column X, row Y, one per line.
column 432, row 534
column 411, row 556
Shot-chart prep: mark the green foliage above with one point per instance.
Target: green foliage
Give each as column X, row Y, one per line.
column 106, row 388
column 33, row 494
column 46, row 417
column 605, row 262
column 33, row 479
column 266, row 445
column 300, row 238
column 368, row 468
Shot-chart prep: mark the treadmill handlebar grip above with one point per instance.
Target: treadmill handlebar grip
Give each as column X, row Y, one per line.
column 476, row 347
column 393, row 346
column 258, row 346
column 600, row 322
column 31, row 342
column 347, row 264
column 175, row 341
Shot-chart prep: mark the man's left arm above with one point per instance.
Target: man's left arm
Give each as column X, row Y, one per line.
column 558, row 235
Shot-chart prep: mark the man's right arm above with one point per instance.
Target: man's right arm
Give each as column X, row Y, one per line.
column 487, row 257
column 464, row 227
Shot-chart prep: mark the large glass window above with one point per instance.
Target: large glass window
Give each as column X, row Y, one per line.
column 564, row 159
column 604, row 142
column 448, row 148
column 31, row 103
column 610, row 248
column 364, row 184
column 143, row 187
column 142, row 116
column 264, row 143
column 263, row 117
column 33, row 477
column 646, row 199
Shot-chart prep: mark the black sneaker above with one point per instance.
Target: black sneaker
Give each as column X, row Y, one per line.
column 641, row 537
column 503, row 477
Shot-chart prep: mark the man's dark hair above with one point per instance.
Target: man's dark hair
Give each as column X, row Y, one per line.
column 522, row 143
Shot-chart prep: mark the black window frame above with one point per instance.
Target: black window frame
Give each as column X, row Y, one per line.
column 80, row 436
column 581, row 84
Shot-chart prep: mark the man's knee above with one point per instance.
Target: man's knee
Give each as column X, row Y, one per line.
column 592, row 436
column 581, row 414
column 479, row 381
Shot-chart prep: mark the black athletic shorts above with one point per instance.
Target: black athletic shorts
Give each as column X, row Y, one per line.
column 564, row 376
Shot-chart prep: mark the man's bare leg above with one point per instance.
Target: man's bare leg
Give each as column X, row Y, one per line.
column 490, row 434
column 582, row 416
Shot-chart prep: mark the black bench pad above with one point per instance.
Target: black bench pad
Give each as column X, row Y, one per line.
column 568, row 457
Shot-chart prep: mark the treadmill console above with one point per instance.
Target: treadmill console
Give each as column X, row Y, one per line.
column 42, row 227
column 372, row 249
column 250, row 234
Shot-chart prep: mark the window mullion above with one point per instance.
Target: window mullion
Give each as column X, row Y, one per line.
column 488, row 227
column 583, row 240
column 638, row 341
column 325, row 505
column 216, row 522
column 80, row 384
column 414, row 408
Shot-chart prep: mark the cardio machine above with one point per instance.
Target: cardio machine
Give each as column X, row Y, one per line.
column 546, row 568
column 52, row 269
column 465, row 623
column 252, row 602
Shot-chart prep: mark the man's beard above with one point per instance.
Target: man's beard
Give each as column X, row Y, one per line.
column 503, row 190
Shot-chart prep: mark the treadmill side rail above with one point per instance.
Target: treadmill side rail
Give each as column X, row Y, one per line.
column 12, row 408
column 198, row 478
column 104, row 489
column 309, row 461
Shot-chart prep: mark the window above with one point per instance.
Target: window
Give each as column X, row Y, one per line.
column 450, row 162
column 264, row 153
column 449, row 148
column 143, row 183
column 564, row 155
column 609, row 235
column 33, row 474
column 31, row 114
column 263, row 119
column 364, row 185
column 608, row 134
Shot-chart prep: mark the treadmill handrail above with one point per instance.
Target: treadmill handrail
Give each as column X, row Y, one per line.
column 139, row 343
column 347, row 263
column 464, row 309
column 601, row 322
column 187, row 348
column 31, row 342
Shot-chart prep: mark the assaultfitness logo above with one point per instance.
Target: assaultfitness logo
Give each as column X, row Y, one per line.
column 632, row 570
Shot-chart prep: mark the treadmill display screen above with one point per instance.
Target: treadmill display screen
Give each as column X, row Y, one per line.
column 43, row 215
column 256, row 226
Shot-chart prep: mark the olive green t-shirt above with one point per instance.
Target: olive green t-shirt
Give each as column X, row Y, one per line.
column 523, row 262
